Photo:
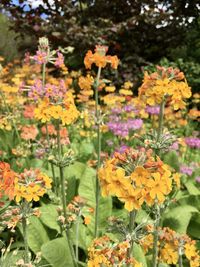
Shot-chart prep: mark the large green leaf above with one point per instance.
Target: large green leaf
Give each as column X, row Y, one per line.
column 178, row 218
column 87, row 188
column 193, row 200
column 49, row 216
column 192, row 188
column 75, row 170
column 139, row 254
column 37, row 235
column 194, row 226
column 57, row 253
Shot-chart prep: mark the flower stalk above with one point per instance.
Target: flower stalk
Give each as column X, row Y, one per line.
column 155, row 236
column 24, row 231
column 131, row 227
column 63, row 193
column 97, row 115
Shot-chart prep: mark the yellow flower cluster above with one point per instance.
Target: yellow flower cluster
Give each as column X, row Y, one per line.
column 66, row 112
column 135, row 177
column 31, row 185
column 5, row 124
column 85, row 83
column 165, row 83
column 105, row 253
column 169, row 245
column 126, row 89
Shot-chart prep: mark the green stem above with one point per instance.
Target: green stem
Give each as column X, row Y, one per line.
column 77, row 236
column 161, row 119
column 180, row 260
column 155, row 239
column 63, row 194
column 24, row 231
column 43, row 75
column 131, row 227
column 52, row 166
column 97, row 114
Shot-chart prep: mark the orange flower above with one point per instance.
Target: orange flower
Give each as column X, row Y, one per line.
column 29, row 132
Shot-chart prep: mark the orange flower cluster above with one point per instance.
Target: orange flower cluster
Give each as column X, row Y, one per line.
column 135, row 177
column 85, row 83
column 165, row 83
column 100, row 59
column 31, row 185
column 170, row 243
column 29, row 132
column 105, row 252
column 7, row 178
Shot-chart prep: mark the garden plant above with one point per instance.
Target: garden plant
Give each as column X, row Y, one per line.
column 93, row 173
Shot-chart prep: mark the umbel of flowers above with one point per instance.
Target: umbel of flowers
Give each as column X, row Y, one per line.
column 172, row 247
column 136, row 177
column 105, row 252
column 165, row 83
column 29, row 185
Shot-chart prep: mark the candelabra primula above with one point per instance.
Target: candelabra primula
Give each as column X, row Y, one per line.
column 105, row 252
column 172, row 246
column 165, row 83
column 136, row 177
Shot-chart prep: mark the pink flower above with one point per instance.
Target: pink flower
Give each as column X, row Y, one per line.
column 59, row 60
column 40, row 57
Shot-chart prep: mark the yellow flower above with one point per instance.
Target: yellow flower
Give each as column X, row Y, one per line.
column 169, row 254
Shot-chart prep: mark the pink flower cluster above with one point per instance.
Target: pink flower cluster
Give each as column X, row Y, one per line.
column 51, row 91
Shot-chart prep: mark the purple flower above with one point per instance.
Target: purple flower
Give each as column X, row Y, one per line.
column 193, row 142
column 186, row 170
column 153, row 110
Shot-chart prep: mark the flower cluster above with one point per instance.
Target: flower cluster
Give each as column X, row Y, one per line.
column 193, row 142
column 171, row 246
column 66, row 112
column 85, row 83
column 165, row 82
column 54, row 92
column 105, row 252
column 7, row 180
column 136, row 177
column 44, row 55
column 100, row 59
column 31, row 185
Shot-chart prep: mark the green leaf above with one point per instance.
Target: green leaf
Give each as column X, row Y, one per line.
column 178, row 218
column 49, row 216
column 194, row 226
column 57, row 253
column 11, row 258
column 172, row 159
column 75, row 170
column 192, row 188
column 37, row 235
column 87, row 189
column 139, row 254
column 193, row 200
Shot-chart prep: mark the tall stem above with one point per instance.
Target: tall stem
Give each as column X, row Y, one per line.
column 24, row 231
column 131, row 227
column 155, row 239
column 63, row 194
column 161, row 119
column 97, row 115
column 180, row 260
column 77, row 236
